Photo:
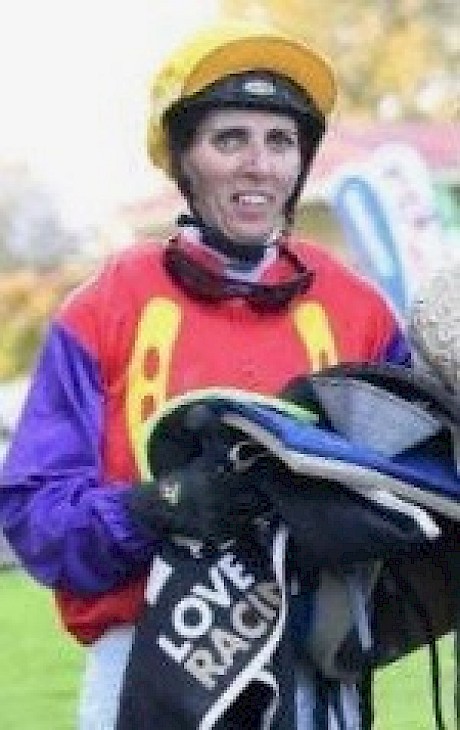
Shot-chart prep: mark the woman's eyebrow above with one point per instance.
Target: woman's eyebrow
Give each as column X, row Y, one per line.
column 242, row 129
column 283, row 128
column 229, row 129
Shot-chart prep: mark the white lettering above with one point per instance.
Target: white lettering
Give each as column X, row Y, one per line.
column 270, row 592
column 199, row 617
column 266, row 611
column 177, row 652
column 246, row 622
column 234, row 572
column 218, row 594
column 193, row 617
column 202, row 666
column 227, row 645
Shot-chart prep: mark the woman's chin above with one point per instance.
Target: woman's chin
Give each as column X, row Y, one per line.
column 248, row 234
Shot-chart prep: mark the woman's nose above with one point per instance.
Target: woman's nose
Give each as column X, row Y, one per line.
column 257, row 159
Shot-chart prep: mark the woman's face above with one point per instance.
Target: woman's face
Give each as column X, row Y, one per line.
column 242, row 168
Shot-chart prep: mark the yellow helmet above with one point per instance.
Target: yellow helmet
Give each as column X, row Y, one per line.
column 231, row 48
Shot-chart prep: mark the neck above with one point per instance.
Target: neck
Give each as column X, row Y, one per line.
column 251, row 252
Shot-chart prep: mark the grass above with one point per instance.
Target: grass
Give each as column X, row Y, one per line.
column 403, row 691
column 40, row 668
column 39, row 664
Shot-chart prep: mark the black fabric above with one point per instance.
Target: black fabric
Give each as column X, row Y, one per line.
column 202, row 500
column 430, row 570
column 169, row 688
column 415, row 597
column 203, row 497
column 366, row 687
column 331, row 528
column 428, row 578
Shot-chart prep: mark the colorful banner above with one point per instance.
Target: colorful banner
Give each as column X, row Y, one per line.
column 387, row 207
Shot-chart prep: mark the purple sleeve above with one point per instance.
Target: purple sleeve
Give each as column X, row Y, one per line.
column 397, row 349
column 69, row 529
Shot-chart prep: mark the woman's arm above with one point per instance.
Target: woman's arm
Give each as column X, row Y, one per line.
column 68, row 528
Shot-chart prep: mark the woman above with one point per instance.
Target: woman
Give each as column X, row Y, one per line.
column 234, row 298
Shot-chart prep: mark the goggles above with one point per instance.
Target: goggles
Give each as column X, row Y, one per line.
column 203, row 279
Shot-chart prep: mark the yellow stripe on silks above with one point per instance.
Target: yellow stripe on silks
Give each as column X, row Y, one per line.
column 156, row 333
column 313, row 327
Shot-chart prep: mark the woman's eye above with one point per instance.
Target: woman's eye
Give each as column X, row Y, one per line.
column 227, row 140
column 280, row 139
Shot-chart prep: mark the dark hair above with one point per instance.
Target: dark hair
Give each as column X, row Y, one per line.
column 310, row 137
column 182, row 120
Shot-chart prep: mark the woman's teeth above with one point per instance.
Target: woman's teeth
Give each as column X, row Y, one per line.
column 251, row 198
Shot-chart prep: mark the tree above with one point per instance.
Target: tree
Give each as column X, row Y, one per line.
column 406, row 53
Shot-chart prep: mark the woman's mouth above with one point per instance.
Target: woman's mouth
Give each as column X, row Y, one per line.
column 252, row 199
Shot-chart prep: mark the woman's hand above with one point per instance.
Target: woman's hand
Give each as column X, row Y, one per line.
column 205, row 500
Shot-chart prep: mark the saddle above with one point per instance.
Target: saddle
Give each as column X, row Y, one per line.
column 360, row 466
